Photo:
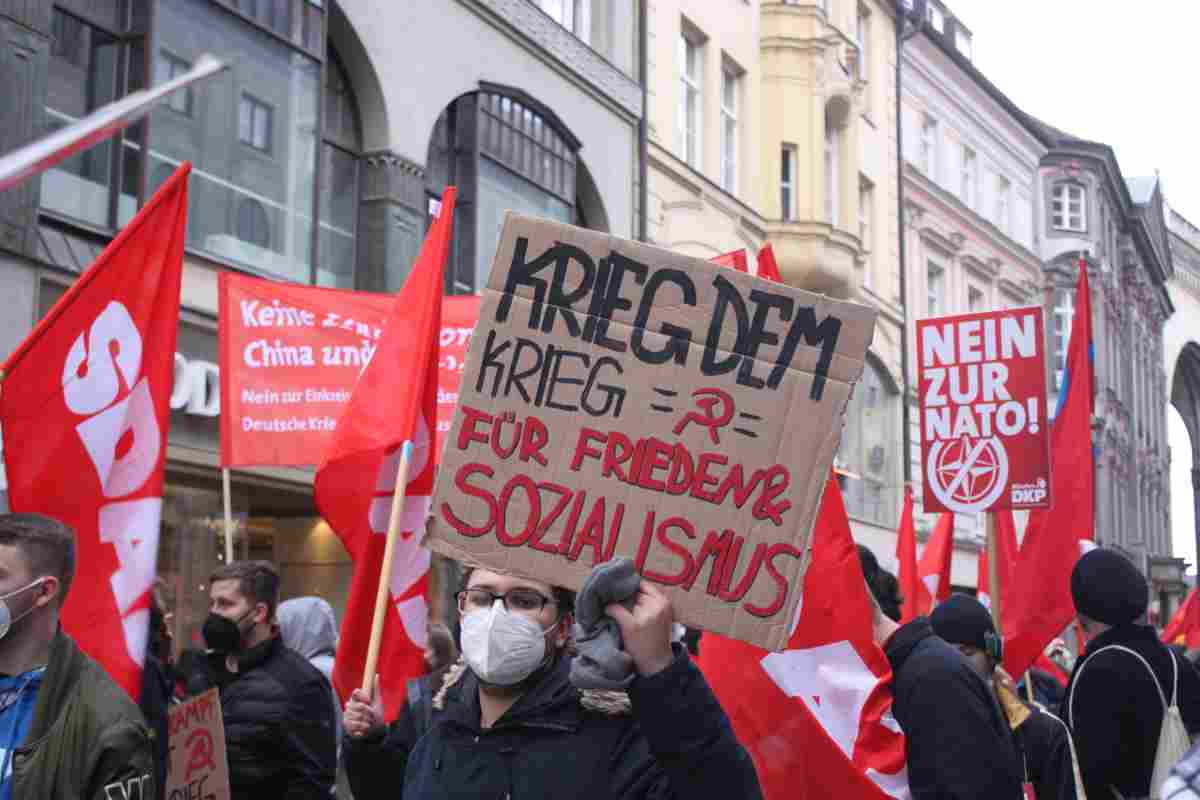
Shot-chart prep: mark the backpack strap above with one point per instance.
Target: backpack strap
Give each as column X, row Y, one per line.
column 1146, row 664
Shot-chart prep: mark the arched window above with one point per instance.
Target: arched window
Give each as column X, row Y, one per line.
column 526, row 162
column 1068, row 207
column 341, row 148
column 870, row 450
column 252, row 223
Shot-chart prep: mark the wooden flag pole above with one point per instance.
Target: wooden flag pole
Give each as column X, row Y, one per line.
column 993, row 576
column 385, row 571
column 228, row 515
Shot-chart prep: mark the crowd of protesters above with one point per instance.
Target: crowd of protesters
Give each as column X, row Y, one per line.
column 513, row 712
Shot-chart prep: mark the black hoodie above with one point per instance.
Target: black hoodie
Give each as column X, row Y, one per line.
column 959, row 745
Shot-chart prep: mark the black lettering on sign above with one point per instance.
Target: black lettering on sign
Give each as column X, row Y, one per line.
column 677, row 347
column 607, row 299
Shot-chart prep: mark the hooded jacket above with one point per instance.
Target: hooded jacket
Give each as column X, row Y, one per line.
column 1116, row 713
column 87, row 739
column 958, row 741
column 667, row 737
column 307, row 625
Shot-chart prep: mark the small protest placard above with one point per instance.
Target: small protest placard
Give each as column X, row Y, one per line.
column 621, row 399
column 196, row 765
column 985, row 441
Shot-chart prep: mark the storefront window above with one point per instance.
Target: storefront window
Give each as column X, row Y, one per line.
column 252, row 138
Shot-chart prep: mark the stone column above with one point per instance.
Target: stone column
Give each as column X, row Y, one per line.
column 391, row 224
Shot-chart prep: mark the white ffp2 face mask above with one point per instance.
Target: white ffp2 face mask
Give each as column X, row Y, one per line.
column 500, row 647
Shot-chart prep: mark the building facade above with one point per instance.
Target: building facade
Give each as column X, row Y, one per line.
column 970, row 198
column 318, row 157
column 774, row 122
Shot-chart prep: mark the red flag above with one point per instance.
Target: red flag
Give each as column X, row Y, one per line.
column 1039, row 607
column 1184, row 627
column 906, row 554
column 1045, row 664
column 735, row 259
column 395, row 400
column 933, row 570
column 1006, row 555
column 767, row 266
column 85, row 410
column 818, row 715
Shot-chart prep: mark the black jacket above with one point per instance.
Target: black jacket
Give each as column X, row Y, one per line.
column 158, row 687
column 279, row 732
column 1115, row 711
column 87, row 739
column 1044, row 747
column 674, row 742
column 958, row 741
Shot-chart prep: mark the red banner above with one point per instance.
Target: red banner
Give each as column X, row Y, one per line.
column 290, row 355
column 984, row 433
column 459, row 314
column 85, row 410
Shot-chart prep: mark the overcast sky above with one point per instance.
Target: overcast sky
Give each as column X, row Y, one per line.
column 1115, row 72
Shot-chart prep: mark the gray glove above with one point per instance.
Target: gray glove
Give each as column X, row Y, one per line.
column 600, row 662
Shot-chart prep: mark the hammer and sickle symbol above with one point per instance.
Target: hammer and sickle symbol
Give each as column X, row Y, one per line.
column 708, row 401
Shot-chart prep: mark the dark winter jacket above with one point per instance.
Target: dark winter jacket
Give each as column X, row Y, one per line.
column 158, row 688
column 1044, row 748
column 666, row 738
column 87, row 739
column 958, row 741
column 278, row 715
column 1115, row 711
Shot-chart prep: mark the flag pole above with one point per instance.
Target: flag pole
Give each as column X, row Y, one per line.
column 385, row 571
column 228, row 516
column 993, row 570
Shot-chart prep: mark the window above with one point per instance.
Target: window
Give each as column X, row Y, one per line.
column 1003, row 202
column 1064, row 313
column 166, row 68
column 83, row 74
column 936, row 19
column 268, row 102
column 962, row 40
column 787, row 181
column 254, row 123
column 929, row 146
column 252, row 223
column 1068, row 208
column 866, row 196
column 574, row 15
column 730, row 86
column 970, row 176
column 975, row 299
column 831, row 173
column 690, row 70
column 861, row 36
column 934, row 286
column 869, row 449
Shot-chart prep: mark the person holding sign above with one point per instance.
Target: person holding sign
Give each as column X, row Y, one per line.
column 505, row 720
column 66, row 729
column 278, row 708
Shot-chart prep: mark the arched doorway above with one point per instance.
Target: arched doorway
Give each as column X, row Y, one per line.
column 1185, row 397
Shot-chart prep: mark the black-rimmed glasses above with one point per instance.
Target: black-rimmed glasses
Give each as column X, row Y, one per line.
column 521, row 601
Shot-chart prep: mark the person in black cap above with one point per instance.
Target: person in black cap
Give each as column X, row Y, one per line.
column 1115, row 699
column 958, row 745
column 1042, row 741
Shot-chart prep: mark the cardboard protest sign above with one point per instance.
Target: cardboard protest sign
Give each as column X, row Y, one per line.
column 289, row 356
column 196, row 763
column 985, row 438
column 458, row 320
column 620, row 399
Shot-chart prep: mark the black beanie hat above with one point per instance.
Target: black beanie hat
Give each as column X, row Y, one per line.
column 961, row 619
column 1108, row 588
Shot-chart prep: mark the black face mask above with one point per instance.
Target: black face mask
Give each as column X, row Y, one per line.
column 222, row 634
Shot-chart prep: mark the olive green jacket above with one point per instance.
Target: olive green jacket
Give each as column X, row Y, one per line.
column 88, row 740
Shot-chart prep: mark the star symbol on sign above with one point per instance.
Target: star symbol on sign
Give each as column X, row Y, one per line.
column 968, row 475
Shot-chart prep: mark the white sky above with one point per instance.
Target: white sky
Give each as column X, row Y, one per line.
column 1115, row 72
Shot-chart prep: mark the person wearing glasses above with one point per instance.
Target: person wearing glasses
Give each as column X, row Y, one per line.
column 505, row 722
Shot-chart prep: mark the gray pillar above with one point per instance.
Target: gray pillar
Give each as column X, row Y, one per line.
column 1196, row 500
column 24, row 65
column 391, row 220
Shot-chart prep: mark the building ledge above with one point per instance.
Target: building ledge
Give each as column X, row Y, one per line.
column 817, row 257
